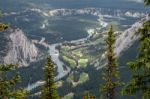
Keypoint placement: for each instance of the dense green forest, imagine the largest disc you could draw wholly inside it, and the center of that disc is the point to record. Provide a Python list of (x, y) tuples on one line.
[(139, 84)]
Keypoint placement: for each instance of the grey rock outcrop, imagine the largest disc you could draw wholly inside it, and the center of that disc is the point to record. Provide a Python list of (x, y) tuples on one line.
[(21, 50), (129, 36)]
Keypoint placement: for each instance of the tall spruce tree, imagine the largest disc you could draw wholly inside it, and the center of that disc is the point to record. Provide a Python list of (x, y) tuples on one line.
[(147, 2), (89, 96), (7, 85), (111, 74), (49, 91), (2, 25), (140, 68)]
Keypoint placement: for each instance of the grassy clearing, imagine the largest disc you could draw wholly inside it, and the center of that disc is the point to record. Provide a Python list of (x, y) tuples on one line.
[(78, 53), (71, 62), (59, 83), (83, 77), (70, 78), (83, 62), (69, 96)]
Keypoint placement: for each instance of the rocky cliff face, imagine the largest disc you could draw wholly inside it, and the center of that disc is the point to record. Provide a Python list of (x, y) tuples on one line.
[(20, 50), (125, 40), (129, 36)]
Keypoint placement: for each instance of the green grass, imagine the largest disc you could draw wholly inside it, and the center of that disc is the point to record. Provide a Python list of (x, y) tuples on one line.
[(78, 53), (83, 62), (59, 83), (83, 77), (70, 61), (69, 96), (70, 78), (65, 48)]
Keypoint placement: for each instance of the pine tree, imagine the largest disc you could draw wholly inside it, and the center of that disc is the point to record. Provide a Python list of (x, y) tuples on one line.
[(147, 2), (111, 74), (7, 90), (2, 25), (49, 91), (140, 82), (88, 96)]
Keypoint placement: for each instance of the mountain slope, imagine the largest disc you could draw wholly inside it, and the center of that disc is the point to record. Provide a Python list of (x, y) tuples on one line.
[(20, 50)]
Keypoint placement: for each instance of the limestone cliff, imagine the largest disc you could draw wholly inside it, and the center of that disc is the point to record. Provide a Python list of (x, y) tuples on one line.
[(129, 36), (20, 50)]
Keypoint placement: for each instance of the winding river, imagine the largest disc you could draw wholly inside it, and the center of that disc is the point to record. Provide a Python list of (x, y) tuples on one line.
[(124, 41), (54, 53)]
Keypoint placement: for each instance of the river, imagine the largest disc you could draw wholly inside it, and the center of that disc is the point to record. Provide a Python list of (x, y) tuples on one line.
[(54, 53), (124, 41)]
